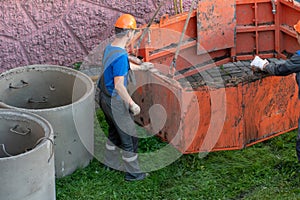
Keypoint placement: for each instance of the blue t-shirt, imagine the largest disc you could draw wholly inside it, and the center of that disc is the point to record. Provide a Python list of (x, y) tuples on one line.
[(115, 62)]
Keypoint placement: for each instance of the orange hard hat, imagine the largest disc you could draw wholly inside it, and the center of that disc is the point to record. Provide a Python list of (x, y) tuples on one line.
[(126, 21), (297, 27)]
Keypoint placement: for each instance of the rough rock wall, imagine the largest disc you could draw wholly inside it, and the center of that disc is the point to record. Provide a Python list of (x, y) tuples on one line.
[(63, 32)]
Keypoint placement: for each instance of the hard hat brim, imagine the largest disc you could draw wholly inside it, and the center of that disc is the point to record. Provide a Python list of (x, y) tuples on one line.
[(297, 27)]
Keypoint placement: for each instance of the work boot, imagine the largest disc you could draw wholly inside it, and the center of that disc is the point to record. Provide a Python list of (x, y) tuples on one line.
[(135, 176), (132, 169)]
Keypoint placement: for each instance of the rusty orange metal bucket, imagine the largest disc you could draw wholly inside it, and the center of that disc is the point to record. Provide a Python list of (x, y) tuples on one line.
[(215, 101)]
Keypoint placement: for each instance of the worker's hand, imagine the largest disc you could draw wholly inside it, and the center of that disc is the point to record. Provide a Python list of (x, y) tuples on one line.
[(134, 108), (259, 63), (135, 60), (146, 66)]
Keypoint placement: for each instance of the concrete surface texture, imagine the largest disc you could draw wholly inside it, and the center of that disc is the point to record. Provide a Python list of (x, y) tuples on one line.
[(63, 32)]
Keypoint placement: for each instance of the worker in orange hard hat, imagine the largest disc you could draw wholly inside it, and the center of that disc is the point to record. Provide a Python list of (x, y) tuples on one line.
[(117, 104), (292, 65), (126, 21)]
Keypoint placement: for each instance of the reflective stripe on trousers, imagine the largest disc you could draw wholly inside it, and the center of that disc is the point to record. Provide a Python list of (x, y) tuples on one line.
[(130, 159)]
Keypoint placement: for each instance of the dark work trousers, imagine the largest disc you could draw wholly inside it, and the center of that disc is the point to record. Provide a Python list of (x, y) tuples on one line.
[(121, 136), (298, 141)]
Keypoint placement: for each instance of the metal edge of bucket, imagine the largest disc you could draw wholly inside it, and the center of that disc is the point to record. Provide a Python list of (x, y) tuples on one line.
[(36, 118), (86, 79)]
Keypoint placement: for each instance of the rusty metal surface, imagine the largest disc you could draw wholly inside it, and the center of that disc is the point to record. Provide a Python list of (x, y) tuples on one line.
[(253, 29), (215, 25), (265, 29), (236, 109), (256, 106), (271, 106)]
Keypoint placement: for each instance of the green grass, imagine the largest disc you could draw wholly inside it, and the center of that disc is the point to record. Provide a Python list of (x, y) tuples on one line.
[(77, 65), (267, 170)]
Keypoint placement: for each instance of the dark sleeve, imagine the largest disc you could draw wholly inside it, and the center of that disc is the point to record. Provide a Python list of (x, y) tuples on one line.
[(290, 66)]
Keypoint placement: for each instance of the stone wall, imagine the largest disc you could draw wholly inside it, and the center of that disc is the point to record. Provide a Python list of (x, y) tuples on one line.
[(63, 32)]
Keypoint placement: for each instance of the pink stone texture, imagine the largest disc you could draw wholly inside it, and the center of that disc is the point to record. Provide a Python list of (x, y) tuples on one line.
[(63, 32)]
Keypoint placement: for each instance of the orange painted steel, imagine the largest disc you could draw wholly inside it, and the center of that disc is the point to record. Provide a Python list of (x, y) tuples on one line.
[(215, 25), (254, 112), (255, 31), (204, 118)]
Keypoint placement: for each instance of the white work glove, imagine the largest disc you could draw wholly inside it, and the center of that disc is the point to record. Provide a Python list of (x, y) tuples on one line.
[(259, 63), (135, 60), (146, 66), (134, 109)]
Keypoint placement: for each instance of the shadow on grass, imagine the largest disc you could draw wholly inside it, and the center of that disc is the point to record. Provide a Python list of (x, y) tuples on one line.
[(268, 170)]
